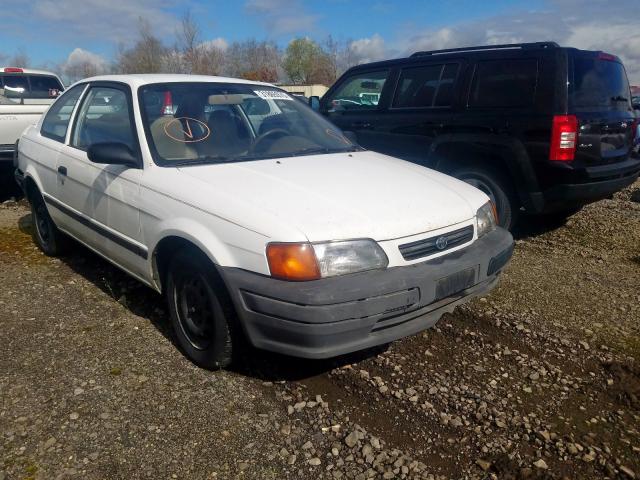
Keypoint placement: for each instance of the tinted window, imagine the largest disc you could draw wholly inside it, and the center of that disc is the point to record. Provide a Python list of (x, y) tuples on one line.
[(34, 86), (427, 86), (104, 117), (56, 121), (43, 86), (360, 92), (503, 83), (599, 83)]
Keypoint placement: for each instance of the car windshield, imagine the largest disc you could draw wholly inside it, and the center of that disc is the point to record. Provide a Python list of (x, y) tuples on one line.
[(192, 123)]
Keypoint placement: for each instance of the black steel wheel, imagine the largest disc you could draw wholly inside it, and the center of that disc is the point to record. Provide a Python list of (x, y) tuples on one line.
[(200, 312)]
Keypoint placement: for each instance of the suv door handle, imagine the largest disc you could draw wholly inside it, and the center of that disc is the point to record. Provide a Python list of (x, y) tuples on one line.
[(361, 125), (62, 171)]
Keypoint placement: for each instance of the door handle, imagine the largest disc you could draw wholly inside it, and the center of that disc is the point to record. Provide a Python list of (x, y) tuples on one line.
[(62, 171)]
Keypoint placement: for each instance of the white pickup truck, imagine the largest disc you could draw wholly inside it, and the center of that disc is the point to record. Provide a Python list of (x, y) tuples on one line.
[(25, 95)]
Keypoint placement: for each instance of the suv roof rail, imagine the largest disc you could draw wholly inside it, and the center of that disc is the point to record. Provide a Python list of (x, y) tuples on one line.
[(506, 46)]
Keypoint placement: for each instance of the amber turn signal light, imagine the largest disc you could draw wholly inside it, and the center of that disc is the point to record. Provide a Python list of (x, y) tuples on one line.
[(292, 261)]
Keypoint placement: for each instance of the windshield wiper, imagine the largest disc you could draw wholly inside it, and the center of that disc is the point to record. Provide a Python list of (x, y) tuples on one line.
[(209, 159), (314, 150)]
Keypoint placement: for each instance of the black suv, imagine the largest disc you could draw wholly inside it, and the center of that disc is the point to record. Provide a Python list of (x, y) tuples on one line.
[(538, 127)]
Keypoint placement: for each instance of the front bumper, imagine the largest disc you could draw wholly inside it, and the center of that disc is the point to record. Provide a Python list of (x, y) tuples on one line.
[(333, 316)]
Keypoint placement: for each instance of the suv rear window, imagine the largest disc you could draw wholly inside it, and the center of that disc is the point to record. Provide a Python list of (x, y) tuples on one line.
[(35, 86), (599, 83), (504, 83)]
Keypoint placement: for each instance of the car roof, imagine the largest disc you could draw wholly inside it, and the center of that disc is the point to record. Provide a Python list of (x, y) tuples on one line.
[(139, 79)]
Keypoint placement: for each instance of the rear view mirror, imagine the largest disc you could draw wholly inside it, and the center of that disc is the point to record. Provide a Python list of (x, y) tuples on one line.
[(112, 153), (369, 85), (14, 92), (314, 102), (233, 99)]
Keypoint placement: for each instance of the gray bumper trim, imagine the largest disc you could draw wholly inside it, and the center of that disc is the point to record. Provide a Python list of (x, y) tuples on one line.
[(333, 316)]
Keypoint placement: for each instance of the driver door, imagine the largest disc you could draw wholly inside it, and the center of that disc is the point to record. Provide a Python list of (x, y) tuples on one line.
[(102, 201), (357, 105)]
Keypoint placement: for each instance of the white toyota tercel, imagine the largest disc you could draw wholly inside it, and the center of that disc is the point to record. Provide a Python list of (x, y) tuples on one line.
[(255, 216)]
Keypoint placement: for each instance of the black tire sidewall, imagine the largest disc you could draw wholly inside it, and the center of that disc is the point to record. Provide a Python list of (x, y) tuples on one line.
[(505, 200), (190, 262), (39, 210)]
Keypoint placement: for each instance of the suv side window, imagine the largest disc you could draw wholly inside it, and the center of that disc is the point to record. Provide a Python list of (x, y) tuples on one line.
[(359, 92), (104, 117), (56, 121), (426, 86), (504, 83)]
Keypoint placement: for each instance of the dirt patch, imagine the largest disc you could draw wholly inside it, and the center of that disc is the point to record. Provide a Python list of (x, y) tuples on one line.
[(624, 383)]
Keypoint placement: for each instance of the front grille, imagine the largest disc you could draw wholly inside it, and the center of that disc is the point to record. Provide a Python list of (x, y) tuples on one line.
[(428, 246)]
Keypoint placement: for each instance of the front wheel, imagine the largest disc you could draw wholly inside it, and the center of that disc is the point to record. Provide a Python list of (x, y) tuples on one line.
[(200, 312), (497, 188), (45, 233)]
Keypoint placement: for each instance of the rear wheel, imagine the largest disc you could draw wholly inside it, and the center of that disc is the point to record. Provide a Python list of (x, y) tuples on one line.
[(45, 233), (199, 310), (497, 188)]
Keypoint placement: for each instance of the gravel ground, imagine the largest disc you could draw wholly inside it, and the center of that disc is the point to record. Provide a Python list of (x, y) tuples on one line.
[(539, 380)]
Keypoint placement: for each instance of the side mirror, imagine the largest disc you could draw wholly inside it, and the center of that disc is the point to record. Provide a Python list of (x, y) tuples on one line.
[(314, 102), (112, 153), (351, 136)]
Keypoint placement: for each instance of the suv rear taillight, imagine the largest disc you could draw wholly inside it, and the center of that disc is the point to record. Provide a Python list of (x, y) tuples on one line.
[(564, 138)]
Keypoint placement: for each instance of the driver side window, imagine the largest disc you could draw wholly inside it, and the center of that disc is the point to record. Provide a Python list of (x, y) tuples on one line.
[(360, 92)]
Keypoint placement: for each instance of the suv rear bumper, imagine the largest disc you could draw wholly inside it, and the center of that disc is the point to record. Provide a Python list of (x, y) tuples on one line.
[(334, 316), (602, 182)]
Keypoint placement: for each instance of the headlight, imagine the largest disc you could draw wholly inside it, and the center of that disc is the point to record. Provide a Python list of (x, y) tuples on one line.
[(305, 261), (340, 258), (486, 219)]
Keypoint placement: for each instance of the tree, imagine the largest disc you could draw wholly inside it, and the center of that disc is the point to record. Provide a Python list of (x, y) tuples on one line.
[(253, 60), (146, 56), (300, 60)]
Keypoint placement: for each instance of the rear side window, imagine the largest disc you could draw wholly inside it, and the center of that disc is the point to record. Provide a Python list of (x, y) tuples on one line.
[(359, 92), (599, 83), (33, 86), (56, 121), (503, 83), (426, 86)]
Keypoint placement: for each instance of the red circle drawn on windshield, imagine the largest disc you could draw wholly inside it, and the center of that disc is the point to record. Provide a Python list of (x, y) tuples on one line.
[(190, 129)]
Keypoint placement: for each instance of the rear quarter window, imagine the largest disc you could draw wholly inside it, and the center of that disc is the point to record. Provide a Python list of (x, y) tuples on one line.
[(504, 83)]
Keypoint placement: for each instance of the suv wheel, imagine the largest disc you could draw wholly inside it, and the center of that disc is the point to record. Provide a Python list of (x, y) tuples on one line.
[(200, 313), (45, 233), (497, 188)]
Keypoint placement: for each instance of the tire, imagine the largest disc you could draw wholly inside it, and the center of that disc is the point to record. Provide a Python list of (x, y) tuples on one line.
[(497, 187), (199, 309), (45, 233)]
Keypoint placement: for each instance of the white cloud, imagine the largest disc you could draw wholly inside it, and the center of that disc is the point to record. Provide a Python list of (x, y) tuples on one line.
[(368, 49), (112, 20), (80, 57), (282, 17), (218, 43)]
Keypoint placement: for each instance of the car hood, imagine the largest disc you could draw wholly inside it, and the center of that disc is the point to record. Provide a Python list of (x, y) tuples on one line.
[(342, 196)]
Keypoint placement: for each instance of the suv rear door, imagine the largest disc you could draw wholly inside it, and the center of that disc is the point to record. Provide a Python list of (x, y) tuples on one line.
[(600, 98)]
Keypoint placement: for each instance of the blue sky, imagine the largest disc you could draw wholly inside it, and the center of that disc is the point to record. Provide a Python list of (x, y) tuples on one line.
[(48, 31)]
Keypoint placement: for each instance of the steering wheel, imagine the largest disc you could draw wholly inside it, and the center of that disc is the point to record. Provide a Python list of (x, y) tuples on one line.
[(261, 138)]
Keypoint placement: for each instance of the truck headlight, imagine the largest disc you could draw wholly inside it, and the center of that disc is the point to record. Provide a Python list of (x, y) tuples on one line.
[(486, 219), (311, 261)]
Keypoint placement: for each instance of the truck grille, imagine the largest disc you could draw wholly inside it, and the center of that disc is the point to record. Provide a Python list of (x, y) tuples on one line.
[(440, 243)]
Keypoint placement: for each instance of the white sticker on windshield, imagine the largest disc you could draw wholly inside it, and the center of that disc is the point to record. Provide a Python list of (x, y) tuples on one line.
[(272, 94)]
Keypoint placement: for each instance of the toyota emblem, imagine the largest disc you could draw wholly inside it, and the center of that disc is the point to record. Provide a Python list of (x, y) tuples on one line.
[(441, 243)]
